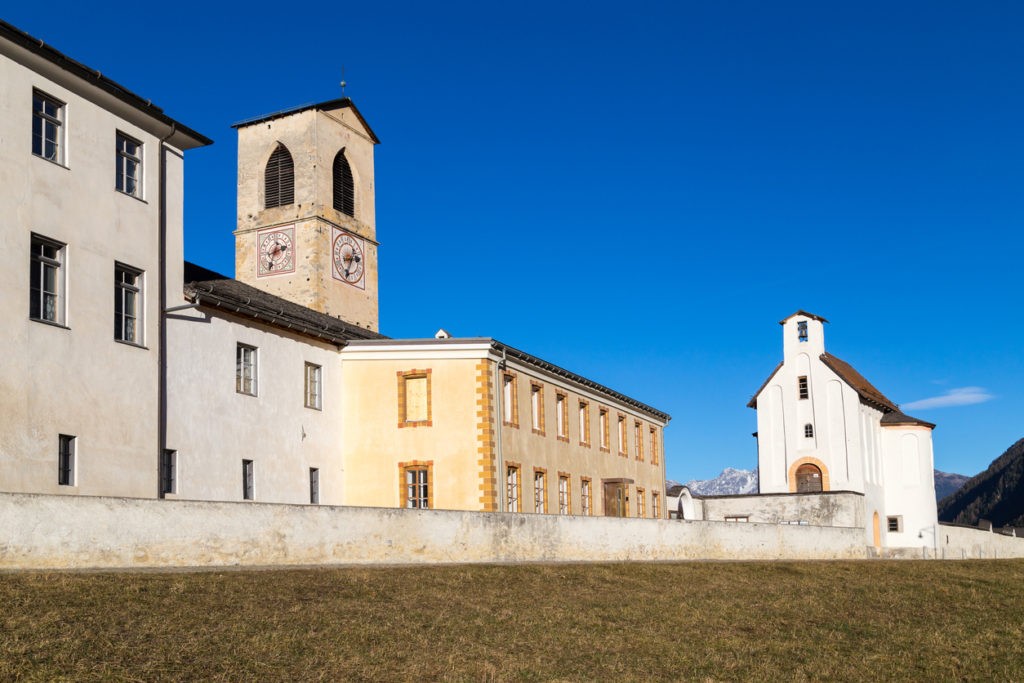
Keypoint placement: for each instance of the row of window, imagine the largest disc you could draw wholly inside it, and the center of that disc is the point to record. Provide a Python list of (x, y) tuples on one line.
[(279, 181), (247, 376), (514, 498), (48, 287), (49, 141), (510, 410)]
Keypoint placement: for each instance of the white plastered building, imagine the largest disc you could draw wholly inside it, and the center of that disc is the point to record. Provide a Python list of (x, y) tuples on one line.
[(821, 426)]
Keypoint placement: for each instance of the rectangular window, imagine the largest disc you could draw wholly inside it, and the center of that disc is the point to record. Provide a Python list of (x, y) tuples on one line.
[(510, 400), (638, 440), (46, 281), (737, 518), (314, 486), (563, 494), (895, 524), (801, 330), (603, 429), (512, 489), (416, 485), (654, 445), (245, 370), (656, 505), (66, 460), (168, 472), (561, 417), (540, 491), (314, 388), (128, 162), (47, 127), (586, 502), (127, 304), (809, 431), (247, 480), (621, 430), (801, 383), (641, 502), (414, 398), (537, 408), (584, 424)]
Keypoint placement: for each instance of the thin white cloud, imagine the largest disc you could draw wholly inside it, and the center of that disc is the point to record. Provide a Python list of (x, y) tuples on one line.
[(964, 396)]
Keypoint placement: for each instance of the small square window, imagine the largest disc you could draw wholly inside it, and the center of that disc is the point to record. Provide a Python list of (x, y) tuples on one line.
[(313, 389), (46, 281), (895, 524), (47, 127), (801, 383), (128, 160), (127, 304), (66, 460), (246, 370)]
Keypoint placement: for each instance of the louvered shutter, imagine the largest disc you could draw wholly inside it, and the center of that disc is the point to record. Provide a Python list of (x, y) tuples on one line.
[(344, 186), (279, 179)]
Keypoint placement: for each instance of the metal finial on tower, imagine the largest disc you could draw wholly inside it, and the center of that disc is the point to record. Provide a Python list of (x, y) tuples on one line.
[(343, 83)]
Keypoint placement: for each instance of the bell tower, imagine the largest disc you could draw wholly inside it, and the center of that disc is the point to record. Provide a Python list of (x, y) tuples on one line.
[(306, 229)]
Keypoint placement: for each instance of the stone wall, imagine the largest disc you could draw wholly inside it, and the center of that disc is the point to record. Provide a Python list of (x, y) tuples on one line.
[(49, 531), (839, 508)]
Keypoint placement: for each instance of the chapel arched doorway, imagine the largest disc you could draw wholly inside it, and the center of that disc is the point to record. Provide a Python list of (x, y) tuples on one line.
[(808, 479)]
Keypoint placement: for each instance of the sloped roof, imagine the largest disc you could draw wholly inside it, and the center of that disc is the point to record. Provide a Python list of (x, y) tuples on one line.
[(752, 403), (183, 138), (209, 288), (897, 418), (340, 103), (867, 391), (804, 314)]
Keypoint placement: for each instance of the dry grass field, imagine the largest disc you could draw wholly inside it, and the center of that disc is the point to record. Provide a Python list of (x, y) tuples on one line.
[(698, 621)]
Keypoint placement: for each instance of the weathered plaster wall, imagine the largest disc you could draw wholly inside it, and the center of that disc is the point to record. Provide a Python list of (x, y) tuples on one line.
[(44, 531), (956, 543), (841, 509)]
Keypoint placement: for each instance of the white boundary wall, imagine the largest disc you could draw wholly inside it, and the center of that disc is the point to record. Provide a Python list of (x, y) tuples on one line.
[(76, 532)]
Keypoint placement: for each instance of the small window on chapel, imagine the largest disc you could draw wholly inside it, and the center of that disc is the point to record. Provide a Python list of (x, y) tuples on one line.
[(894, 524), (809, 431), (801, 330), (801, 383)]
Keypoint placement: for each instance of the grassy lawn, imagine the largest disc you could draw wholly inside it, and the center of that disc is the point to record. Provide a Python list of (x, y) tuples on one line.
[(697, 621)]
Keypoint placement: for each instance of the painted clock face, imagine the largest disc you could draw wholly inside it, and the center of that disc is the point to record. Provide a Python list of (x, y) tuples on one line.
[(276, 252), (348, 258)]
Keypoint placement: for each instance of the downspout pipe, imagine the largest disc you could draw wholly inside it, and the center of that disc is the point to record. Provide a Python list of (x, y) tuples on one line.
[(162, 303)]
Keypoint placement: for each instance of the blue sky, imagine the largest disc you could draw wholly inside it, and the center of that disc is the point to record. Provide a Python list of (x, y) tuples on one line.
[(639, 192)]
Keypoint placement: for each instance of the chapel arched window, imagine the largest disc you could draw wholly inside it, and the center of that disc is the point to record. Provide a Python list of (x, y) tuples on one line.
[(279, 179), (344, 186)]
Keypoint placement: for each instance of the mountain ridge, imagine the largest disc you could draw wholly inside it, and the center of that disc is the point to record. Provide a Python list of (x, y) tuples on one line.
[(996, 495)]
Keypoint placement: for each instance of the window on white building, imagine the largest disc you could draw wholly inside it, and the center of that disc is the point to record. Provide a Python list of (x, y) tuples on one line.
[(248, 483), (47, 127), (314, 387), (66, 460), (127, 304), (809, 431), (168, 472), (802, 388), (245, 370), (46, 281), (129, 165), (314, 486), (895, 524)]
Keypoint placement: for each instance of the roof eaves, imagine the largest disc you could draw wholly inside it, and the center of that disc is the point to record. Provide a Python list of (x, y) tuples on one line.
[(341, 101), (753, 401)]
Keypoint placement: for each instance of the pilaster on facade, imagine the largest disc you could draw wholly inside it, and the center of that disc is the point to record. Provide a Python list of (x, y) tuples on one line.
[(485, 438)]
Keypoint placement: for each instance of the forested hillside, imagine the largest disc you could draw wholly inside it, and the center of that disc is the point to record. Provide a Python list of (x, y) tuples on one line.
[(997, 494)]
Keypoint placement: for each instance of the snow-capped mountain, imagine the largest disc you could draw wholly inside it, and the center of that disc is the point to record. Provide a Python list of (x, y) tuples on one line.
[(731, 482)]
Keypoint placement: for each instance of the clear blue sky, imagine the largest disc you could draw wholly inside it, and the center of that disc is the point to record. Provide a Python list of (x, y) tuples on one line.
[(640, 191)]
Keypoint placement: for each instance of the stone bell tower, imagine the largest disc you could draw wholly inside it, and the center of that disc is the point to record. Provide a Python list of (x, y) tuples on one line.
[(306, 229)]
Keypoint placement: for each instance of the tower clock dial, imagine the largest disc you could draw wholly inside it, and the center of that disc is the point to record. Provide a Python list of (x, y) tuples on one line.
[(276, 251), (348, 258)]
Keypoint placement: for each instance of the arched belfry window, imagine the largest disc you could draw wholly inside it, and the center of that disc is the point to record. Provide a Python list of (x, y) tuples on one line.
[(344, 186), (279, 179), (808, 479)]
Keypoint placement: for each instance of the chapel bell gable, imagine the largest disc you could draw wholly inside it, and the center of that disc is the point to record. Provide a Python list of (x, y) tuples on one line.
[(803, 333)]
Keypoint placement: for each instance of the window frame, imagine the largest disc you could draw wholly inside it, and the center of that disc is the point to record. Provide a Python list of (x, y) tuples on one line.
[(421, 486), (314, 485), (564, 493), (537, 408), (168, 472), (122, 159), (281, 176), (894, 520), (513, 487), (38, 265), (67, 452), (654, 445), (404, 376), (510, 399), (604, 429), (655, 504), (540, 493), (623, 438), (561, 416), (313, 387), (638, 440), (59, 124), (803, 387), (641, 502), (248, 480), (739, 519), (808, 431), (584, 416), (587, 496), (246, 358), (123, 292), (346, 203)]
